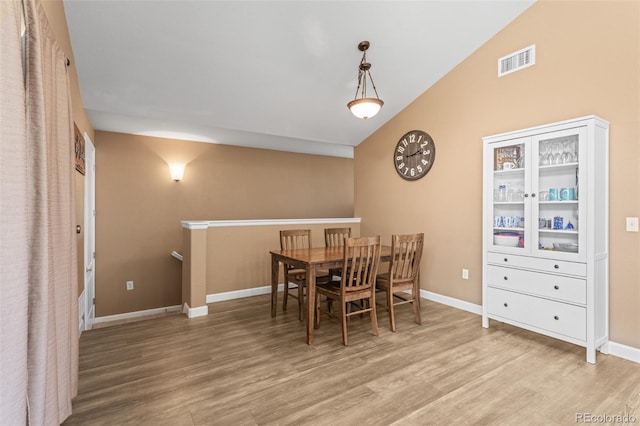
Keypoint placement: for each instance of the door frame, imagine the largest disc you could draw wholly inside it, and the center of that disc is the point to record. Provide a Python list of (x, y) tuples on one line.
[(89, 232)]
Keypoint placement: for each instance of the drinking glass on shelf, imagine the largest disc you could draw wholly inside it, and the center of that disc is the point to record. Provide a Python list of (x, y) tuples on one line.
[(567, 154), (557, 153), (545, 154)]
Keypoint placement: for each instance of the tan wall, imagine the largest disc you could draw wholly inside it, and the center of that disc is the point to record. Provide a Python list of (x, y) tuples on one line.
[(587, 62), (238, 257), (139, 207), (54, 10)]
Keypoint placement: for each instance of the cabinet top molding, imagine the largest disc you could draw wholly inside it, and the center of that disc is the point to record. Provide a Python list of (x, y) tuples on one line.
[(581, 121)]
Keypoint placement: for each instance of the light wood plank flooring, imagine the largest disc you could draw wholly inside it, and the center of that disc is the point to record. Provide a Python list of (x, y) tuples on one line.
[(238, 366)]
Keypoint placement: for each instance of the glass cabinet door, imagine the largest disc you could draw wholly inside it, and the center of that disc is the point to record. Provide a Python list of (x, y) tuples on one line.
[(510, 190), (556, 182)]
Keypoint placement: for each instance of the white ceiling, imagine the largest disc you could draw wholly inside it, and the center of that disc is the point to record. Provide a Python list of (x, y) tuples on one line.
[(266, 74)]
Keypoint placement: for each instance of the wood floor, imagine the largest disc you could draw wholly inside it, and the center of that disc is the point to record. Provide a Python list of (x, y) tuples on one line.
[(238, 366)]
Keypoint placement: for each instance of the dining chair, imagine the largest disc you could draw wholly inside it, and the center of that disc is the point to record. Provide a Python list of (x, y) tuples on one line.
[(403, 275), (292, 239), (357, 283), (334, 237)]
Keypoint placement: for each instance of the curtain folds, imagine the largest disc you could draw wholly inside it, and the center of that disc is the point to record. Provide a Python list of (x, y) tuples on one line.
[(41, 166)]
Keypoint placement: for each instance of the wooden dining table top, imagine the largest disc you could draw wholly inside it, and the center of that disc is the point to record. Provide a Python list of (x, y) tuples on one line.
[(321, 255)]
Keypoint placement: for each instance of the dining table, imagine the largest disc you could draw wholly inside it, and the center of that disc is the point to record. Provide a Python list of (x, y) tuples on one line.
[(311, 260)]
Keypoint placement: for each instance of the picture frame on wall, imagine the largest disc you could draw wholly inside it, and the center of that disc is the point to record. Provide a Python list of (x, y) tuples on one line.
[(79, 147)]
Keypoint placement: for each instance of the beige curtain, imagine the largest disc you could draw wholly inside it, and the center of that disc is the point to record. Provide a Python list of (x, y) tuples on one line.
[(13, 220), (38, 261)]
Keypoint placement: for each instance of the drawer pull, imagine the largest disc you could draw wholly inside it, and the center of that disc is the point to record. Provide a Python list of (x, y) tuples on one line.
[(506, 260), (556, 266), (505, 278), (506, 305), (555, 317), (557, 287)]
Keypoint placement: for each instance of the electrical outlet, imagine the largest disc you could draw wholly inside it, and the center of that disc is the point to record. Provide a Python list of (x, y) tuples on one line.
[(129, 285), (632, 224), (465, 274)]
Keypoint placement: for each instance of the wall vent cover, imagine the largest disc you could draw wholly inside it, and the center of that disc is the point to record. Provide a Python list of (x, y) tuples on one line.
[(516, 61)]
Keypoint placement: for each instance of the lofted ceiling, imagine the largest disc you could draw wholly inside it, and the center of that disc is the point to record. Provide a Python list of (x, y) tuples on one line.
[(266, 74)]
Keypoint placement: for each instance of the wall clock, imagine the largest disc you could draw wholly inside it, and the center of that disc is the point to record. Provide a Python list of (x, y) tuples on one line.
[(414, 155)]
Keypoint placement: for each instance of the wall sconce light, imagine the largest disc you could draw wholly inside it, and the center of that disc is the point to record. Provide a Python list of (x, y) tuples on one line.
[(177, 171), (364, 107)]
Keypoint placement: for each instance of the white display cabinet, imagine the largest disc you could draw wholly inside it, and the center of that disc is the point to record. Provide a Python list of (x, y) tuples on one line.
[(545, 231)]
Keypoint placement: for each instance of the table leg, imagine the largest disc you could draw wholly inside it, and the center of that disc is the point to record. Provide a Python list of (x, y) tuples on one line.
[(311, 300), (275, 269)]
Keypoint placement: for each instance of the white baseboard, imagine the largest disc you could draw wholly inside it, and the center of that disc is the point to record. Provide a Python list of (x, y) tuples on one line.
[(450, 301), (136, 314), (239, 294), (200, 311), (623, 351)]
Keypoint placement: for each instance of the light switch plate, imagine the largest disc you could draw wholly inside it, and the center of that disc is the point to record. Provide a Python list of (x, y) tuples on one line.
[(632, 224)]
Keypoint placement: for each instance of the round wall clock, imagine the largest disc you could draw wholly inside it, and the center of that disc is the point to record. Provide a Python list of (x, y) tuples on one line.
[(414, 155)]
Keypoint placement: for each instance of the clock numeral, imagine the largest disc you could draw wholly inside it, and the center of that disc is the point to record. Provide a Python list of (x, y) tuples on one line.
[(400, 149), (404, 142), (419, 168), (412, 138), (425, 162), (425, 143), (399, 158), (406, 170), (413, 172), (400, 166)]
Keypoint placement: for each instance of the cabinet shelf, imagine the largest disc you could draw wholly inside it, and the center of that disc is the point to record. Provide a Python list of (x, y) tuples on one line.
[(558, 167), (559, 231), (509, 171), (559, 202)]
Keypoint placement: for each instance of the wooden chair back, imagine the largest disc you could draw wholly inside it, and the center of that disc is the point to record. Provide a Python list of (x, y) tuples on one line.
[(334, 237), (361, 259), (292, 239), (406, 253)]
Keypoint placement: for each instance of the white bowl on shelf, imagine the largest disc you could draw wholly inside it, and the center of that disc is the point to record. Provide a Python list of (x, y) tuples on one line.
[(506, 240)]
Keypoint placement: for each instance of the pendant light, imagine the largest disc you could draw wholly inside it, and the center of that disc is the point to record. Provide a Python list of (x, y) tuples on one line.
[(364, 107)]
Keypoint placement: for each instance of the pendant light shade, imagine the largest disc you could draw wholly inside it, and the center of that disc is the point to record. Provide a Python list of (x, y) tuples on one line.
[(362, 106)]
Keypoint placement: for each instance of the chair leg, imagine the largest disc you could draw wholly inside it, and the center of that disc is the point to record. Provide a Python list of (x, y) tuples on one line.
[(286, 294), (316, 306), (392, 315), (344, 324), (416, 307), (374, 316), (300, 302)]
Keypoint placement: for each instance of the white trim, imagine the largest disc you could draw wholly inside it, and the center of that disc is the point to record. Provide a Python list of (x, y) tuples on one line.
[(136, 314), (198, 224), (200, 311), (450, 301), (239, 294), (622, 351), (195, 224)]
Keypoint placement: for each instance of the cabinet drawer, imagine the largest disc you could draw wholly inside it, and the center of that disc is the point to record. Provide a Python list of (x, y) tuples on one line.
[(547, 285), (556, 317), (543, 265)]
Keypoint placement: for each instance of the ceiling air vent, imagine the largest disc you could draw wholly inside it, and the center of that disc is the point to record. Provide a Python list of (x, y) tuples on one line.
[(517, 60)]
